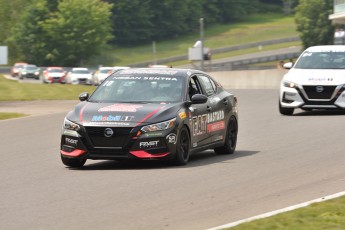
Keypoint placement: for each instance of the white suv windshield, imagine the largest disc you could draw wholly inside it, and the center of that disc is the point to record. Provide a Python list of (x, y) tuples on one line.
[(321, 60)]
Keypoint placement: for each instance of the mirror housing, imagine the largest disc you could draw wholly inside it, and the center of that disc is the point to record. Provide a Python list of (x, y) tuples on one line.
[(199, 99), (288, 65), (84, 96)]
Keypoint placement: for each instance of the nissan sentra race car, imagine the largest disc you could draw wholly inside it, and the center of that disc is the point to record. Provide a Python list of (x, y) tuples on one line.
[(316, 81), (148, 113)]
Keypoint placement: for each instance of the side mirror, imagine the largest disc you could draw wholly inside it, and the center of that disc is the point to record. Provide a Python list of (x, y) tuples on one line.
[(288, 65), (199, 99), (84, 96)]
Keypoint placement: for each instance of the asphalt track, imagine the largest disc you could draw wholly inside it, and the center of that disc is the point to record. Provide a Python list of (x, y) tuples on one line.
[(280, 161)]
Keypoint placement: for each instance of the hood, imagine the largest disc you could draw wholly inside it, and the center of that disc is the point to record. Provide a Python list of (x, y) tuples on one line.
[(56, 74), (83, 75), (316, 76), (122, 114)]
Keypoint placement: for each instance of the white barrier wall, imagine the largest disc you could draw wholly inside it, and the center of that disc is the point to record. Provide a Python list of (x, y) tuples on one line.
[(250, 79)]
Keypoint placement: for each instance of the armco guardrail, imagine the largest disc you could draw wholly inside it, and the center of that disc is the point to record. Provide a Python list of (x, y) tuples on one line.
[(235, 65)]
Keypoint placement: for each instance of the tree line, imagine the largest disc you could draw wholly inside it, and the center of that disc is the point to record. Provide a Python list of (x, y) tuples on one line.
[(69, 32)]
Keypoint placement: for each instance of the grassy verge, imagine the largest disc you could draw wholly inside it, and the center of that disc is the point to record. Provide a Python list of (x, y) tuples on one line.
[(252, 29), (14, 91), (4, 116), (244, 51), (318, 216)]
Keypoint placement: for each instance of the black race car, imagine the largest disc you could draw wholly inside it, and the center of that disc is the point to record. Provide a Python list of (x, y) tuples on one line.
[(151, 114)]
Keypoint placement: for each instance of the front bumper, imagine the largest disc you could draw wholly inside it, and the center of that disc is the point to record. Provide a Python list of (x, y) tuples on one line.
[(307, 97), (90, 143)]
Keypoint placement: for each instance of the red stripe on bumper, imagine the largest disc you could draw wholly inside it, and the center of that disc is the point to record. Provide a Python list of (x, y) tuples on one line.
[(143, 154), (74, 153)]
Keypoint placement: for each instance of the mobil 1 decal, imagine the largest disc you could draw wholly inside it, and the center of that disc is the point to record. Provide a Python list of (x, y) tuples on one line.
[(207, 123)]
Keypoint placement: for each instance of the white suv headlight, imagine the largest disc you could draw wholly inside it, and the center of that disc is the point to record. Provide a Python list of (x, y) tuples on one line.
[(289, 84), (159, 126)]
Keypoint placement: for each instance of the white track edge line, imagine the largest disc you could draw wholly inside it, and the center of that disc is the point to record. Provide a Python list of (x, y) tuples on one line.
[(268, 214)]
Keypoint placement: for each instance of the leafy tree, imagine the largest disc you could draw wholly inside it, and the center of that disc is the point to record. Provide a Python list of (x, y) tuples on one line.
[(80, 29), (30, 35), (233, 10), (312, 22), (10, 14), (131, 21), (175, 17)]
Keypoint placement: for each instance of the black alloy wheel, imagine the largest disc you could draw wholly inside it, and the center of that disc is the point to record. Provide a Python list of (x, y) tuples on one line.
[(182, 148), (230, 138)]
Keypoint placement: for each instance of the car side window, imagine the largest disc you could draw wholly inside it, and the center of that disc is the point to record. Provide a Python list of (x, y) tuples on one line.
[(194, 87), (208, 85)]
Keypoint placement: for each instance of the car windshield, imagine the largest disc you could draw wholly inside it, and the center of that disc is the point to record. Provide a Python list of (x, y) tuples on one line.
[(80, 71), (30, 67), (55, 70), (19, 65), (140, 89), (321, 60), (105, 70)]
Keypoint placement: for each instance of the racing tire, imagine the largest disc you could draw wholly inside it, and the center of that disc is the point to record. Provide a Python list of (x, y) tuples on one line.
[(230, 138), (285, 111), (73, 162), (182, 148)]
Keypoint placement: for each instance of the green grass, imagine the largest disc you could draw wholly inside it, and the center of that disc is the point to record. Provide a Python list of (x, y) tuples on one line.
[(254, 28), (4, 116), (11, 90), (328, 215)]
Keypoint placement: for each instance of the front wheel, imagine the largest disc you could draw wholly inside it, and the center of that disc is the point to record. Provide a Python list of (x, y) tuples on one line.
[(230, 138), (73, 162), (182, 148)]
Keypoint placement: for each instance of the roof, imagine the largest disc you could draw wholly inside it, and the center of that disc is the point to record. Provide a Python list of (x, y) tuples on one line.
[(159, 71), (326, 48)]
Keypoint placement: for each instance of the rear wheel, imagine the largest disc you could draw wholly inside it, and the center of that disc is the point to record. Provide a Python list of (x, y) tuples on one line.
[(285, 111), (230, 138), (73, 162), (182, 148)]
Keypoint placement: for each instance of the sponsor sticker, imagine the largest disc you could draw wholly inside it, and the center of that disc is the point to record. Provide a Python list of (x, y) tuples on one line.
[(148, 144), (71, 141), (215, 116), (198, 124), (182, 115), (215, 126), (99, 118), (172, 138), (120, 108)]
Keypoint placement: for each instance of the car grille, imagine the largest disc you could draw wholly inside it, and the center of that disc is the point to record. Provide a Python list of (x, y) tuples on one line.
[(118, 139), (82, 80), (313, 92)]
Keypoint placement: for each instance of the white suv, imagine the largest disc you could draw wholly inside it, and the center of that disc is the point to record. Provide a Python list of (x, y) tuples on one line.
[(315, 81)]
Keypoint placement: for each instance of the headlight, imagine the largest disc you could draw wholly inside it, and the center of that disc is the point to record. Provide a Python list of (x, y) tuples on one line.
[(36, 73), (70, 125), (289, 84), (159, 126), (24, 72)]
